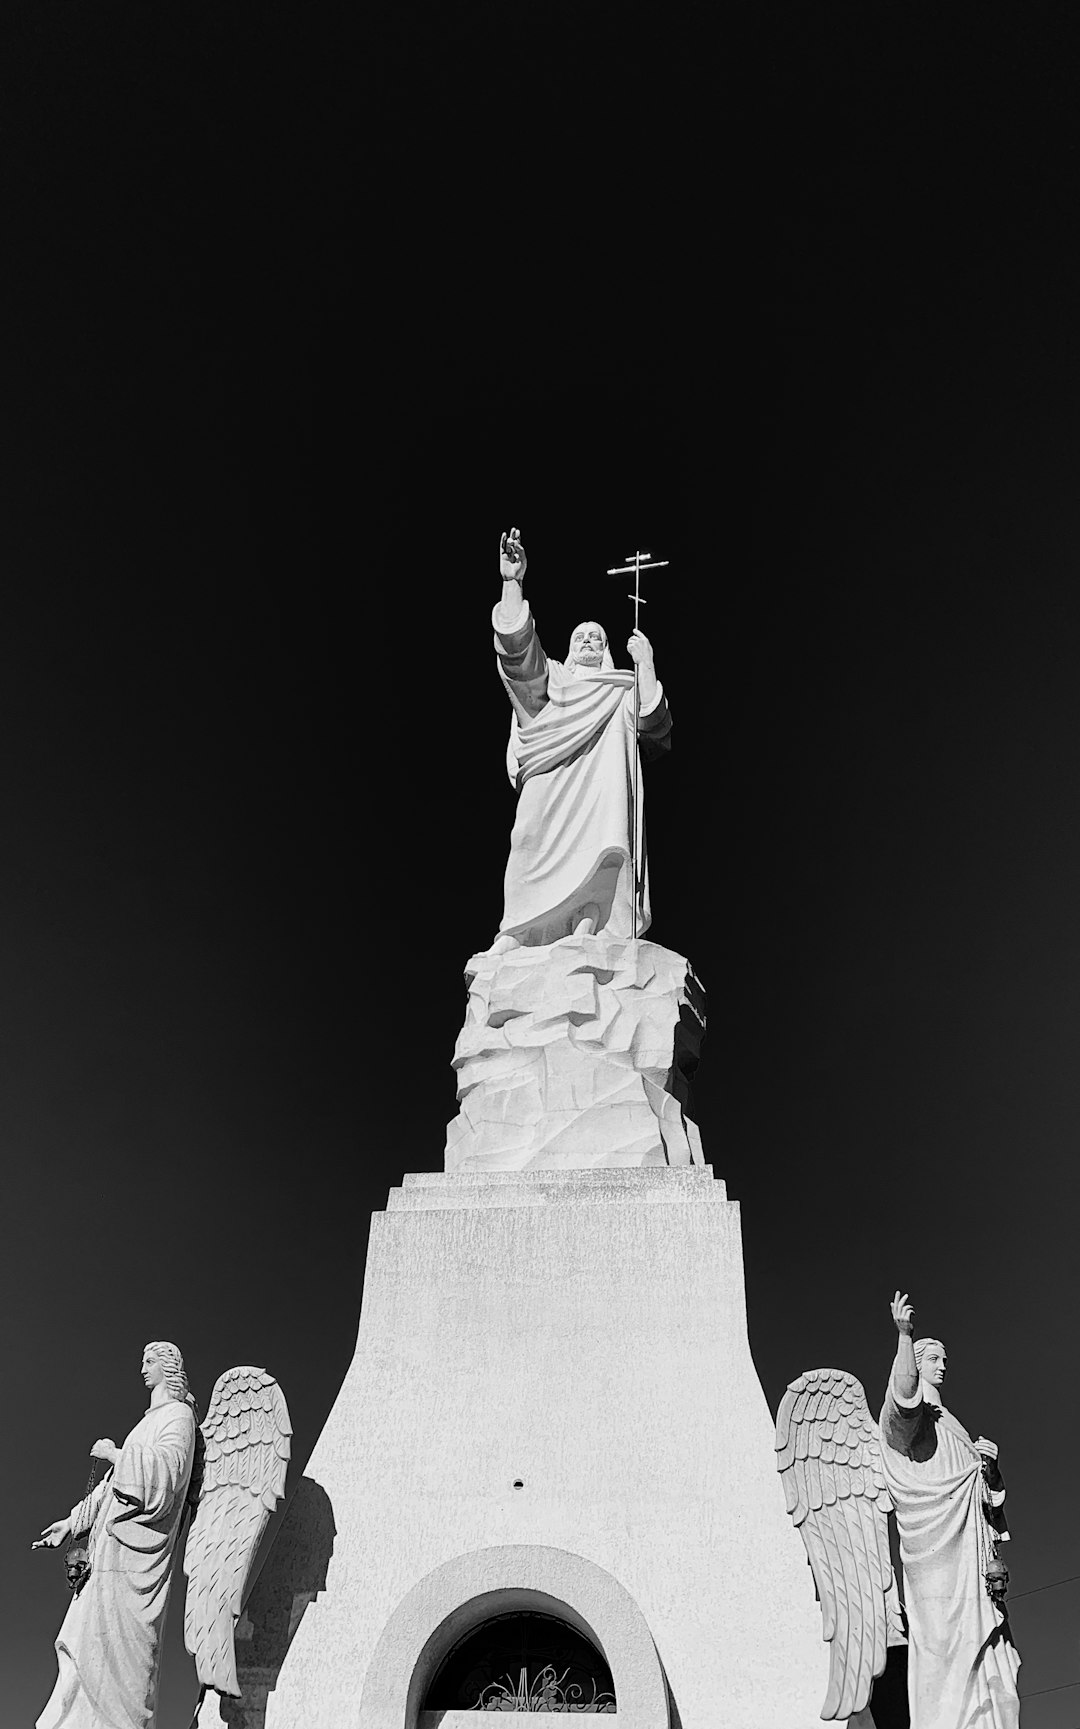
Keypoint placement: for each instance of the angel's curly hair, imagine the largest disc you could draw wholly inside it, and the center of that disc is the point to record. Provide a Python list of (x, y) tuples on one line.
[(173, 1363), (920, 1348)]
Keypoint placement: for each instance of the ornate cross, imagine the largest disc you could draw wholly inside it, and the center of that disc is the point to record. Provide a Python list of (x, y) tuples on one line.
[(636, 562)]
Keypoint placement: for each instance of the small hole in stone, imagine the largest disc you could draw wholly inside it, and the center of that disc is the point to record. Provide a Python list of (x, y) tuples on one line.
[(518, 1484)]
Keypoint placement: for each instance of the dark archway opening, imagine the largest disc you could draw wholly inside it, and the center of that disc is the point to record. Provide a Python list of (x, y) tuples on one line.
[(523, 1661)]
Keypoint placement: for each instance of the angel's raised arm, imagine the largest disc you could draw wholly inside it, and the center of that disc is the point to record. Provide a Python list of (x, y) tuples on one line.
[(905, 1370)]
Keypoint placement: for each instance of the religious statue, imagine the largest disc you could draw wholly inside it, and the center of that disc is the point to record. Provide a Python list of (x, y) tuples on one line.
[(572, 759), (125, 1533), (108, 1650), (843, 1475)]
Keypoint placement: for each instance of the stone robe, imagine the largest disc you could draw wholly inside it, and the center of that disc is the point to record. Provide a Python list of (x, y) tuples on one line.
[(571, 758), (109, 1647), (962, 1667)]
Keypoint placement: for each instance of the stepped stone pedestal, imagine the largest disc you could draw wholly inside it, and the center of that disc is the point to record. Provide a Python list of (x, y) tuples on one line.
[(552, 1405)]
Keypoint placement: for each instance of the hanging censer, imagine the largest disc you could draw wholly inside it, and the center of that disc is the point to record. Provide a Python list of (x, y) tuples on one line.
[(77, 1554), (997, 1579)]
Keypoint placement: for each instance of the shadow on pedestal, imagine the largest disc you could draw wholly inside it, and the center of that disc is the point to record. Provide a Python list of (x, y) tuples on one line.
[(290, 1578)]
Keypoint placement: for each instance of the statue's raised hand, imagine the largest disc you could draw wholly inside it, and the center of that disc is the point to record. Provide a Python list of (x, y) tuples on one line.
[(512, 560), (903, 1313), (53, 1535), (107, 1450)]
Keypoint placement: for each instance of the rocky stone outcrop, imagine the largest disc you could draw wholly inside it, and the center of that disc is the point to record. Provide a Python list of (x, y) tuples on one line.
[(577, 1055)]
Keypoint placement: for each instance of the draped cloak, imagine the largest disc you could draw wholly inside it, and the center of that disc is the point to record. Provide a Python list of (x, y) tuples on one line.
[(109, 1647), (571, 759), (962, 1666)]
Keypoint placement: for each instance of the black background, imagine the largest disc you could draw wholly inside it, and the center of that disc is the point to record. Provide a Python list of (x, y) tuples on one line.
[(301, 307)]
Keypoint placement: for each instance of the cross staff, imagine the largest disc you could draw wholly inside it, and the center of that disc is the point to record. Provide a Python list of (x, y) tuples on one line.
[(636, 562)]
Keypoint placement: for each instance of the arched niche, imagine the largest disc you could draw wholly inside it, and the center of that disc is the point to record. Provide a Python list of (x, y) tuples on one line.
[(464, 1593), (524, 1657)]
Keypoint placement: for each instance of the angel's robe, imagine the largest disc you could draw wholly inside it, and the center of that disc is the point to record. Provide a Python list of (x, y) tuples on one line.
[(109, 1648), (962, 1664), (571, 759)]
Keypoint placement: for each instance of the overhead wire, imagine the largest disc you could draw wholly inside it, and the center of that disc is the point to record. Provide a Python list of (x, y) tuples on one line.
[(1039, 1691), (1015, 1596)]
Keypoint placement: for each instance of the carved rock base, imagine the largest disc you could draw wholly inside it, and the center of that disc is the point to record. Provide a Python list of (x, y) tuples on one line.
[(577, 1056)]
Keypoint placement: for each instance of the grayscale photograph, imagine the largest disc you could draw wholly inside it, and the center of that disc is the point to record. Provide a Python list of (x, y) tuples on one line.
[(539, 864)]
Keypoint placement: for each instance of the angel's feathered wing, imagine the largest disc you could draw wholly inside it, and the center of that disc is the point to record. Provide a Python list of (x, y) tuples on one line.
[(828, 1453), (246, 1453)]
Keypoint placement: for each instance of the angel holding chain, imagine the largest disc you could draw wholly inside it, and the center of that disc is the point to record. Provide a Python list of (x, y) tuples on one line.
[(843, 1475), (124, 1534)]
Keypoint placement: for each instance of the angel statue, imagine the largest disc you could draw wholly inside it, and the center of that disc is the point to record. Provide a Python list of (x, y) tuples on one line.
[(108, 1650), (843, 1475), (125, 1531)]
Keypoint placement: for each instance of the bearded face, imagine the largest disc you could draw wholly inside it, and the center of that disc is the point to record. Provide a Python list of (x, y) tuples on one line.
[(588, 645)]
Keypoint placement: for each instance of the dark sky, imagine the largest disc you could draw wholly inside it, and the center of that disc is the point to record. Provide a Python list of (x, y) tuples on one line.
[(301, 308)]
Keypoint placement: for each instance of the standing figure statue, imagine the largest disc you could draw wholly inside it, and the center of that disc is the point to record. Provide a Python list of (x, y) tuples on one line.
[(843, 1476), (948, 1493), (231, 1473), (108, 1650), (571, 760)]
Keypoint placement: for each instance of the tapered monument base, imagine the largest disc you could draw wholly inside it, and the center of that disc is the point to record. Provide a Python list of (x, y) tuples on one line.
[(552, 1411)]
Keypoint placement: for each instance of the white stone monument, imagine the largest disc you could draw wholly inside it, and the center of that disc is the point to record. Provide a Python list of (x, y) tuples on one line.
[(549, 1477), (229, 1473), (843, 1476)]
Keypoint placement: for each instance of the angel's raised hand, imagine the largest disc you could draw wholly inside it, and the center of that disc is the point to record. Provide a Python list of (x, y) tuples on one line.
[(902, 1313), (512, 560)]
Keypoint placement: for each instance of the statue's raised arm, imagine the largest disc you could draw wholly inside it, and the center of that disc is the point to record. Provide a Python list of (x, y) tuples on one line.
[(523, 664), (571, 759), (512, 566)]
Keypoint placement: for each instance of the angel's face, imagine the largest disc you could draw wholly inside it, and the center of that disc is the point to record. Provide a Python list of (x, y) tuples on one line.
[(932, 1368), (153, 1370)]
